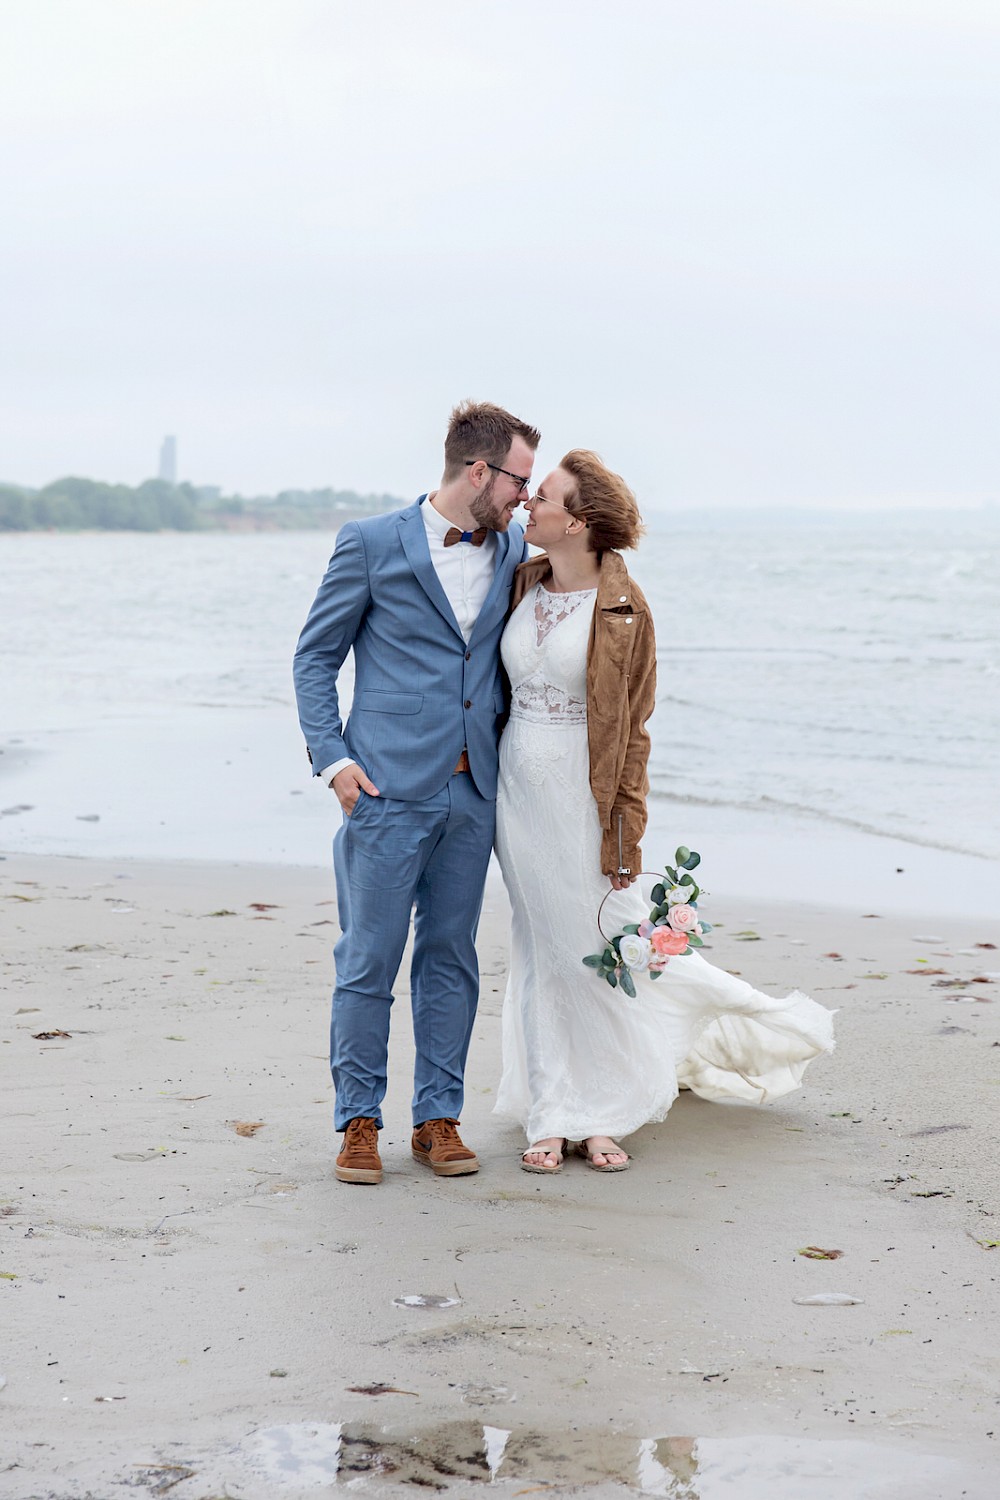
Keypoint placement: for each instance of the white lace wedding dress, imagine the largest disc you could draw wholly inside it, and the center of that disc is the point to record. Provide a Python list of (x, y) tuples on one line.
[(581, 1058)]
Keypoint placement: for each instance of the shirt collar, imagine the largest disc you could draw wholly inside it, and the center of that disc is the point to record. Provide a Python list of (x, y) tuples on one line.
[(435, 522), (439, 526)]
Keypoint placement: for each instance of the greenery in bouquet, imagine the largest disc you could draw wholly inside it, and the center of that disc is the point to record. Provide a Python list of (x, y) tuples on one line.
[(672, 929)]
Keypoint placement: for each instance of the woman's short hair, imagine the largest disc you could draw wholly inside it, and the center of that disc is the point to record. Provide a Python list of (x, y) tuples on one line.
[(603, 500)]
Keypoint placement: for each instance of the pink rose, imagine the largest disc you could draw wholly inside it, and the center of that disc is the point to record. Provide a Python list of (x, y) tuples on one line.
[(666, 942), (683, 918)]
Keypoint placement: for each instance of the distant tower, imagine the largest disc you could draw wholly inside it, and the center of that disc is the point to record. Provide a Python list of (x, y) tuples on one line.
[(168, 460)]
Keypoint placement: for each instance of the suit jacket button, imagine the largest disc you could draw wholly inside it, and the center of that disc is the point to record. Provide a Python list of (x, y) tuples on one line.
[(468, 702), (468, 655)]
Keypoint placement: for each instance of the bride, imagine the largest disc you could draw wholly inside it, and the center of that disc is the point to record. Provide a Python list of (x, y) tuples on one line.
[(582, 1061)]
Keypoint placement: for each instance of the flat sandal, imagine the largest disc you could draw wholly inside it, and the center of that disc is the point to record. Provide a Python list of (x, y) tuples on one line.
[(529, 1166), (607, 1166)]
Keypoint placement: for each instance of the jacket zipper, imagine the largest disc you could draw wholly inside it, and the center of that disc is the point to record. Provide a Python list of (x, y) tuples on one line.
[(622, 869)]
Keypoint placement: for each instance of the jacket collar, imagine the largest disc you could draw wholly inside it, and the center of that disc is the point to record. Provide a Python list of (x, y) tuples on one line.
[(614, 587)]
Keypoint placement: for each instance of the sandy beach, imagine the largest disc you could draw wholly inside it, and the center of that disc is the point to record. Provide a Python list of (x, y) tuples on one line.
[(192, 1303)]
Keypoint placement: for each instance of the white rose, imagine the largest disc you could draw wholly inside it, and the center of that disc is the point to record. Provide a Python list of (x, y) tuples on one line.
[(678, 894), (634, 952)]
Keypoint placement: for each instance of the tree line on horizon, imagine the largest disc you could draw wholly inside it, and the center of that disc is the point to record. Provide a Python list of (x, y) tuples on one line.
[(74, 504)]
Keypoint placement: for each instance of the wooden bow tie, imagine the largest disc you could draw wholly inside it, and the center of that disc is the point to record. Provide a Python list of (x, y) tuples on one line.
[(477, 537)]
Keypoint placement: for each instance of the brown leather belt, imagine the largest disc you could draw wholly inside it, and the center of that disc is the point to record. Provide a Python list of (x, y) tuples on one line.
[(463, 763)]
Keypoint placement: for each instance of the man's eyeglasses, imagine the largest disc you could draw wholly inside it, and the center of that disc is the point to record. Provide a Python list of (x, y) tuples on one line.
[(522, 484)]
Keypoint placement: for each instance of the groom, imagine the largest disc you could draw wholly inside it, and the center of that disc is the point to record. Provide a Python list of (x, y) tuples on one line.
[(420, 595)]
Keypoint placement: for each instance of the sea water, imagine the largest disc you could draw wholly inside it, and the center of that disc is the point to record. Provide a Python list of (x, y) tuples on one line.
[(827, 722)]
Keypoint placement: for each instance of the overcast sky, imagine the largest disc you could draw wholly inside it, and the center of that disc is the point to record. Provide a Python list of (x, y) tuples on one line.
[(748, 251)]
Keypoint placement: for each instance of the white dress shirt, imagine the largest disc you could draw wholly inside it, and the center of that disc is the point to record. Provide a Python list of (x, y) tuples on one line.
[(464, 572)]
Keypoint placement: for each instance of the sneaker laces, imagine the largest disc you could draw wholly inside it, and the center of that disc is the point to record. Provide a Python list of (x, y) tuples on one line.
[(363, 1132)]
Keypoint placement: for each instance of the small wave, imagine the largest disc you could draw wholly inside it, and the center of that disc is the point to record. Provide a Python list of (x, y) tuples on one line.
[(771, 720), (693, 650), (240, 704), (774, 805), (909, 732)]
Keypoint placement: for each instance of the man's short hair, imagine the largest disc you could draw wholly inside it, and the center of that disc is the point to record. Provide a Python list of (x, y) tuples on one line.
[(478, 429)]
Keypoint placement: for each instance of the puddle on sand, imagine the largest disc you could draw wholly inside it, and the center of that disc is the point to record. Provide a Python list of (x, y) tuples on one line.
[(424, 1299), (307, 1454)]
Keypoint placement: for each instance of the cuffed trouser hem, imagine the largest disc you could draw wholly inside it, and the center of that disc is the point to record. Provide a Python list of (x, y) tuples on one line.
[(341, 1121)]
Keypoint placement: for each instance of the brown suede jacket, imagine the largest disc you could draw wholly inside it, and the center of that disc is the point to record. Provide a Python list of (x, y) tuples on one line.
[(621, 693)]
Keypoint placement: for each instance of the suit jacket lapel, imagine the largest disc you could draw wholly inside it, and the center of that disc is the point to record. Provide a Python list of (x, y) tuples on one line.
[(495, 603), (413, 536)]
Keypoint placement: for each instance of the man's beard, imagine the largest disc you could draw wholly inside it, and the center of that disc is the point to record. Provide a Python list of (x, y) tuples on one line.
[(485, 510)]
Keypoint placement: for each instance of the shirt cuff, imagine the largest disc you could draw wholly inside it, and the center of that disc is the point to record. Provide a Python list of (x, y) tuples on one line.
[(327, 775)]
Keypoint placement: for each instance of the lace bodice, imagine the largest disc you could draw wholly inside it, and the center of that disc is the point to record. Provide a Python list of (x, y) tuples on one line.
[(545, 656)]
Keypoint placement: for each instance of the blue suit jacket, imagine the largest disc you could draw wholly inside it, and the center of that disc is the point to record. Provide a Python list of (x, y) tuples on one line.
[(421, 693)]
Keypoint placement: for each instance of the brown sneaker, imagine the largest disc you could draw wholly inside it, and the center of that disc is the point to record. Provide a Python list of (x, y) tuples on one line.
[(359, 1160), (438, 1143)]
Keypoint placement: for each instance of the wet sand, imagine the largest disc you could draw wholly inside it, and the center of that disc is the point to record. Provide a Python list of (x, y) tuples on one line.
[(194, 1309)]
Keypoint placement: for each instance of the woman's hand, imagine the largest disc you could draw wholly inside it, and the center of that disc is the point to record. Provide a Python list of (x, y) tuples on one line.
[(621, 882)]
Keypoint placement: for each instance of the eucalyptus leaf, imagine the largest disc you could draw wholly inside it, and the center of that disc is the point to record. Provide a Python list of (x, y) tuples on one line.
[(610, 958), (612, 979), (671, 875), (695, 940), (683, 854), (654, 973), (594, 961), (631, 927), (657, 894), (692, 861), (627, 983)]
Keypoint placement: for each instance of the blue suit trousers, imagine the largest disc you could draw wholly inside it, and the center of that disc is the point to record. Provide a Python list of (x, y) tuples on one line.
[(392, 857)]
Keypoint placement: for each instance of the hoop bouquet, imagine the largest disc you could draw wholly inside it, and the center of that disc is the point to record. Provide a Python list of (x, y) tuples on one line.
[(672, 929)]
